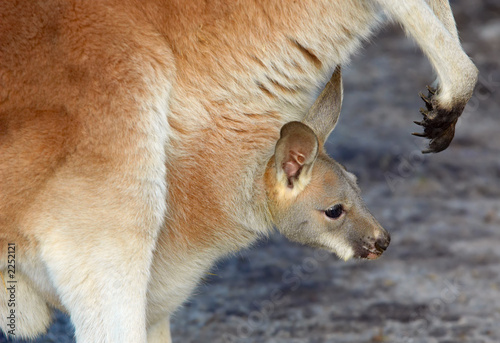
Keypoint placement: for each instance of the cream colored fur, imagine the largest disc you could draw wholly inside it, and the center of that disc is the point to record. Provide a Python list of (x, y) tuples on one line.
[(436, 34), (137, 140)]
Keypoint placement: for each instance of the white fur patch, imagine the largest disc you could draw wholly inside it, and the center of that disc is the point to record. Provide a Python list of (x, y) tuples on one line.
[(341, 248)]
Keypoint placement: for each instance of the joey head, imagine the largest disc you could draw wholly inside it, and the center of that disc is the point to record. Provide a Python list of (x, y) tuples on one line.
[(313, 199)]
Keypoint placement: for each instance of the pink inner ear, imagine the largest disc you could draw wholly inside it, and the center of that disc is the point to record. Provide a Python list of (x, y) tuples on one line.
[(291, 169)]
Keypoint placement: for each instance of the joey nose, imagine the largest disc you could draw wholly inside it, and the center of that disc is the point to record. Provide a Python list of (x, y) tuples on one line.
[(382, 243)]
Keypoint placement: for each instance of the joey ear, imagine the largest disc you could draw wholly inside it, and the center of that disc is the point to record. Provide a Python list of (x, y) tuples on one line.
[(323, 115), (295, 153)]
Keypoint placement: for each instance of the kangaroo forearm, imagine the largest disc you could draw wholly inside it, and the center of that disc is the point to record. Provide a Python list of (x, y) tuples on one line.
[(457, 73), (442, 10)]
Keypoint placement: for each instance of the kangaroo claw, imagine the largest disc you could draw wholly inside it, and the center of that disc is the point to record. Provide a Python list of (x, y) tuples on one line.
[(427, 101), (438, 123), (424, 112)]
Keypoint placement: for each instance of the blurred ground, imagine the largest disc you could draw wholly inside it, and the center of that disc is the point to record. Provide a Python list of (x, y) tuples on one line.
[(439, 281)]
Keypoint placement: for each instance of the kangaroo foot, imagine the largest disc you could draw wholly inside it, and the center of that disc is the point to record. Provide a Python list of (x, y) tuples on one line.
[(439, 124)]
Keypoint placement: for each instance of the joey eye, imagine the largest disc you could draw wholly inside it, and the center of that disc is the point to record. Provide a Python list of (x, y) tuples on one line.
[(335, 211)]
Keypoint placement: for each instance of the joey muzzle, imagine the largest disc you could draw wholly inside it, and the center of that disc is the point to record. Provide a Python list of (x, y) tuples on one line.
[(372, 248)]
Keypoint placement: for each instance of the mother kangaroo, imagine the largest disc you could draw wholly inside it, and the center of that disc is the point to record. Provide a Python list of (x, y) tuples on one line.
[(128, 126)]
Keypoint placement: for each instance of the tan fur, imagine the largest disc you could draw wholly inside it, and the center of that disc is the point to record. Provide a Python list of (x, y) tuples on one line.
[(134, 139)]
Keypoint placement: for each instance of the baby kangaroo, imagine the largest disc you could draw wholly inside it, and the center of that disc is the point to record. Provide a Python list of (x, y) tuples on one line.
[(306, 195), (313, 199)]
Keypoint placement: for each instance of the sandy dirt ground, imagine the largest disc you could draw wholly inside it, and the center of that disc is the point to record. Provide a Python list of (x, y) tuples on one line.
[(439, 281)]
